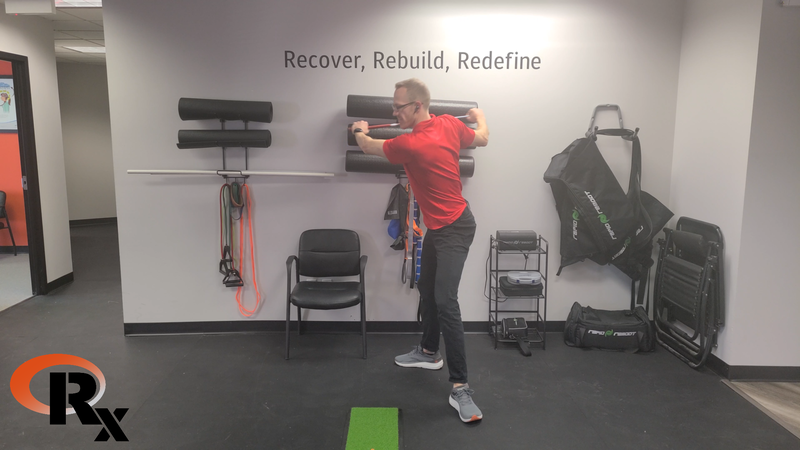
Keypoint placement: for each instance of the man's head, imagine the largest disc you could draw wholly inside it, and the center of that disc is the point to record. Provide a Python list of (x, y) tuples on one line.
[(411, 102)]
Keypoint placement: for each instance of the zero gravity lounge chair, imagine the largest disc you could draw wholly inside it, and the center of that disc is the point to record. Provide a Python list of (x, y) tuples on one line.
[(689, 290)]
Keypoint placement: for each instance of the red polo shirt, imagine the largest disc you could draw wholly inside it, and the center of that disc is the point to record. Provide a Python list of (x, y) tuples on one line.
[(430, 155)]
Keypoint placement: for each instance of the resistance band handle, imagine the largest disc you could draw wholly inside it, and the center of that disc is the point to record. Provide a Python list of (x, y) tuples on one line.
[(233, 279), (226, 263)]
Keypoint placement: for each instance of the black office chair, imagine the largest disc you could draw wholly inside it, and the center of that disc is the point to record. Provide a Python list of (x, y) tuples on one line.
[(326, 253), (7, 225)]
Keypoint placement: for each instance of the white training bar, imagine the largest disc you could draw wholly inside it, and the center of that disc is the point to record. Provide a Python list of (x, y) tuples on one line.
[(229, 173)]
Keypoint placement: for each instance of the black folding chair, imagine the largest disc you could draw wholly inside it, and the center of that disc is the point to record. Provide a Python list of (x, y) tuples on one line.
[(689, 290)]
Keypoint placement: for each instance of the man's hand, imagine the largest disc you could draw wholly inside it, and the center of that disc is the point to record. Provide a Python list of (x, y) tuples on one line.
[(361, 124), (475, 115), (365, 143)]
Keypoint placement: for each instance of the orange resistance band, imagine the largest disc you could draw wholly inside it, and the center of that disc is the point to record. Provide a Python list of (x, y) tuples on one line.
[(239, 297)]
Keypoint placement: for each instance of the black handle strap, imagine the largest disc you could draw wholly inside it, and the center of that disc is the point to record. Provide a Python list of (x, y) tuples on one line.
[(523, 346), (638, 295)]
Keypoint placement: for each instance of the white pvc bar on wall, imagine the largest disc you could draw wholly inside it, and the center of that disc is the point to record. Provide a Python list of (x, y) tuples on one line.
[(230, 173)]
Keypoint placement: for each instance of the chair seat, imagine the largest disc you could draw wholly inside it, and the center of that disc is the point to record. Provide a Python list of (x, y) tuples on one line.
[(326, 294)]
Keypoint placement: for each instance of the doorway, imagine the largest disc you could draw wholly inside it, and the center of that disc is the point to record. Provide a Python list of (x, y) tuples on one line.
[(22, 263)]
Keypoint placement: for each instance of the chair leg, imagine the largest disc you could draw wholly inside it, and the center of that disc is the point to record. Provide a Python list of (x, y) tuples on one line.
[(11, 233), (299, 322), (363, 330), (288, 313)]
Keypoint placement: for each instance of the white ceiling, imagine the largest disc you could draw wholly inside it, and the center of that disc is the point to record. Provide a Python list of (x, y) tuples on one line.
[(78, 27), (75, 27)]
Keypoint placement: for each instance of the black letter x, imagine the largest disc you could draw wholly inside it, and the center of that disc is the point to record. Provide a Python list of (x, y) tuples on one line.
[(111, 425)]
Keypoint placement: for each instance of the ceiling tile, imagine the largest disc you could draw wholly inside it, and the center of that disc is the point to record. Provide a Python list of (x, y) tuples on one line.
[(74, 43), (61, 15), (61, 35), (79, 58), (79, 34), (75, 25), (84, 13)]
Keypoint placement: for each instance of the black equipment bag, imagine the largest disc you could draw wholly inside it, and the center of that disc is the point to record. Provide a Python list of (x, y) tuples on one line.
[(526, 290), (516, 328), (599, 221), (618, 330)]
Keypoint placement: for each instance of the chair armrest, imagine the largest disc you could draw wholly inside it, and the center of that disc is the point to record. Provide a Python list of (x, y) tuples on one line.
[(289, 263), (289, 275), (363, 268)]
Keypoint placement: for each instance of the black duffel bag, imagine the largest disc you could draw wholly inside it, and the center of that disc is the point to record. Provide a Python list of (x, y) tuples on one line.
[(617, 330)]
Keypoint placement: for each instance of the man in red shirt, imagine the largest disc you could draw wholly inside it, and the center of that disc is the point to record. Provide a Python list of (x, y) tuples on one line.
[(430, 157)]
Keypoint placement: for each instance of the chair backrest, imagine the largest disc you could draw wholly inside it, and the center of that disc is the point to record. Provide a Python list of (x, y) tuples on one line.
[(2, 204), (329, 252)]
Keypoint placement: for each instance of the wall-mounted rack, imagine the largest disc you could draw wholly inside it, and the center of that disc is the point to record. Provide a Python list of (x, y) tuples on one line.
[(224, 111)]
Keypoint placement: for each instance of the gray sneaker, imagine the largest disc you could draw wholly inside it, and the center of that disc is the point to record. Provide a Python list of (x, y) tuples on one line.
[(461, 400), (418, 358)]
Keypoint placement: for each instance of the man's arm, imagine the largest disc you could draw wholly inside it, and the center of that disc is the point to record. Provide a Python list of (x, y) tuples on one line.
[(365, 143), (475, 116)]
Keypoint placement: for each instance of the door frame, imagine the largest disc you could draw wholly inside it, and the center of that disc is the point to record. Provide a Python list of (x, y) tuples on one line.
[(27, 150)]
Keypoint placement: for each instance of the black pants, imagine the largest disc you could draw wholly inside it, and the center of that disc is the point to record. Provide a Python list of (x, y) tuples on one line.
[(444, 252)]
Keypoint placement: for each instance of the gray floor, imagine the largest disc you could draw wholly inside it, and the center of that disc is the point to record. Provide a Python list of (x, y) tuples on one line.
[(236, 391), (15, 279)]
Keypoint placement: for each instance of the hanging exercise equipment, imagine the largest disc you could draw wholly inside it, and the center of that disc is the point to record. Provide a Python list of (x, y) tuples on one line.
[(373, 107), (403, 211), (233, 195), (225, 110), (603, 223), (599, 220), (358, 161), (235, 198)]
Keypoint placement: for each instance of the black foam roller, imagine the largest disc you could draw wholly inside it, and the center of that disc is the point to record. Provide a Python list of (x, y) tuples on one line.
[(358, 161), (379, 133), (224, 138), (368, 106), (202, 109)]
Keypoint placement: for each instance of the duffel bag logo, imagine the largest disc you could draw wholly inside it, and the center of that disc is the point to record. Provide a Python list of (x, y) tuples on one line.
[(609, 333)]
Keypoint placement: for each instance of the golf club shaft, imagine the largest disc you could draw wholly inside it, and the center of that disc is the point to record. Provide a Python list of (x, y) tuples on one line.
[(386, 125)]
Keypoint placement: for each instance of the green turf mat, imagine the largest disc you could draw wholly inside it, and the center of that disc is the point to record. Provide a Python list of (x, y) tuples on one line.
[(373, 429)]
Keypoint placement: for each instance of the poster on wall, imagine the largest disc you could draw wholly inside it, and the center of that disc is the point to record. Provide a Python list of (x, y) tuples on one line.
[(8, 110)]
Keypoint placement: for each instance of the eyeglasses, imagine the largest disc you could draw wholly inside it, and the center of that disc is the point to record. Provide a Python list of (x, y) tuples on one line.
[(398, 108)]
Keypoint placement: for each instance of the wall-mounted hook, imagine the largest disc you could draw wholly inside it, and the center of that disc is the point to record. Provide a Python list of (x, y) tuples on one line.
[(591, 133)]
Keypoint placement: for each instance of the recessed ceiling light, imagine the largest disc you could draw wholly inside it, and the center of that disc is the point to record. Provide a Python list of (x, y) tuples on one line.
[(79, 3), (87, 49)]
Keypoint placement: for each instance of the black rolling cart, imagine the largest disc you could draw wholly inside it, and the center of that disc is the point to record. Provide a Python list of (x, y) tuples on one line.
[(507, 254)]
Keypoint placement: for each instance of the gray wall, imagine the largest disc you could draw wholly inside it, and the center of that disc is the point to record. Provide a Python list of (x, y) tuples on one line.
[(699, 78), (623, 52), (769, 267), (736, 163), (33, 37), (83, 94)]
